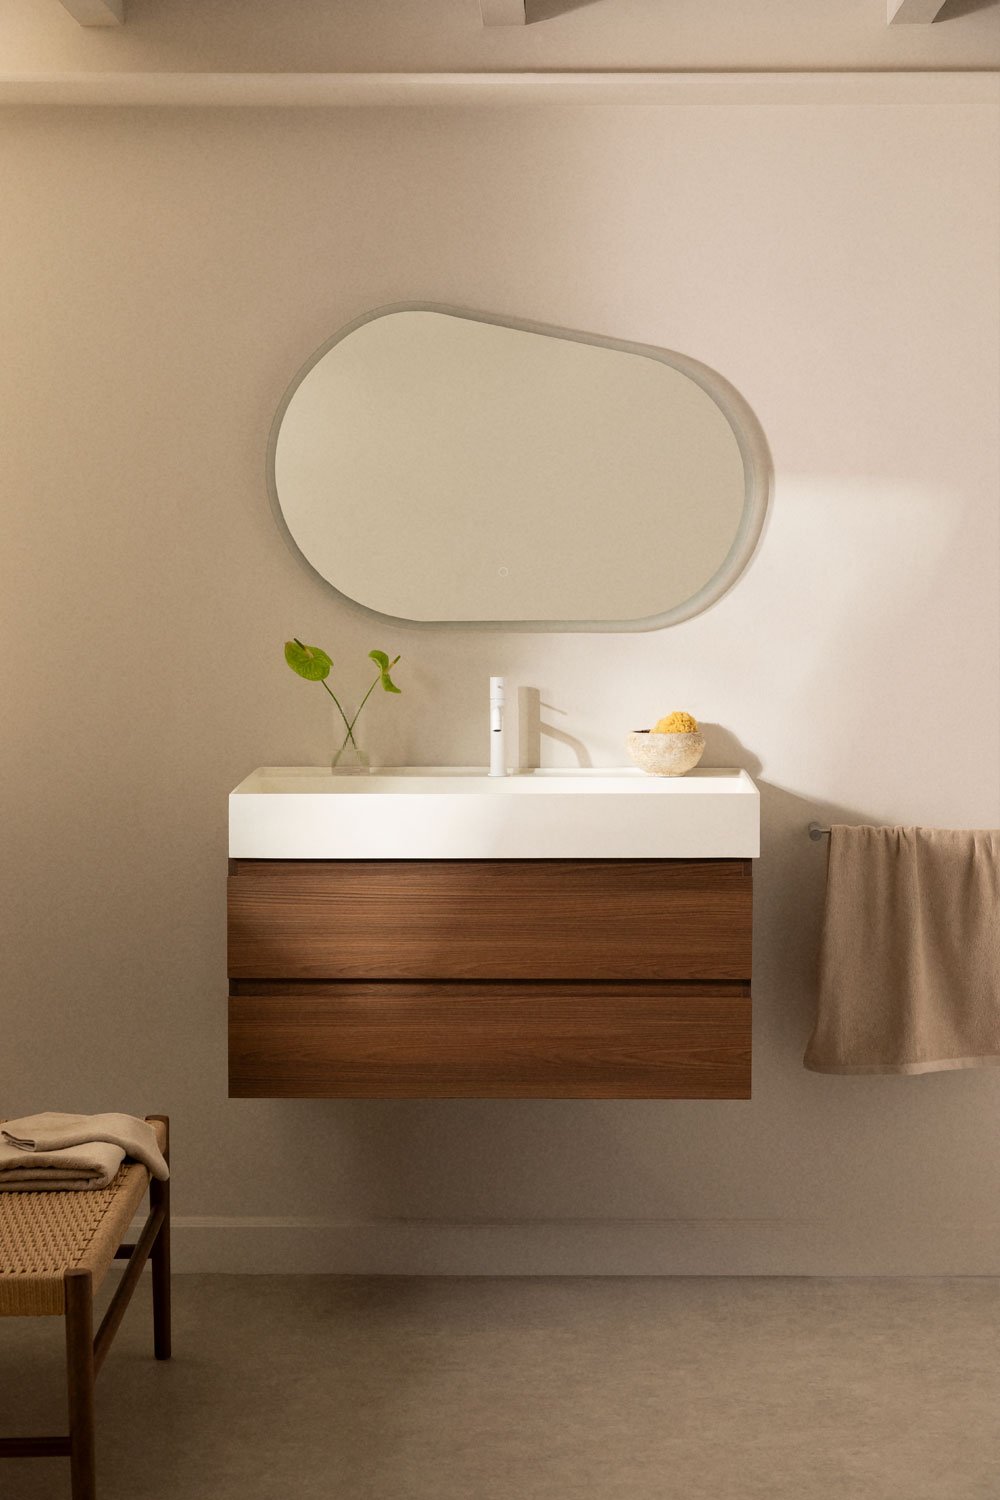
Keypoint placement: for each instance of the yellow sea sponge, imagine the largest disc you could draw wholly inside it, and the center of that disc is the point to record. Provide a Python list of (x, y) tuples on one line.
[(675, 723)]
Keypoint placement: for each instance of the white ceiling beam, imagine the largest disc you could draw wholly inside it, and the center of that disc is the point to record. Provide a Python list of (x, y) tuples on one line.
[(503, 12), (96, 12), (915, 12)]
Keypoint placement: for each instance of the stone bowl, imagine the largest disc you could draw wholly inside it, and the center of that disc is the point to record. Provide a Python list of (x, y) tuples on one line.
[(665, 754)]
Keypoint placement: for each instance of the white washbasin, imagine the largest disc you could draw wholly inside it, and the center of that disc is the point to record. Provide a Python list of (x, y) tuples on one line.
[(451, 812)]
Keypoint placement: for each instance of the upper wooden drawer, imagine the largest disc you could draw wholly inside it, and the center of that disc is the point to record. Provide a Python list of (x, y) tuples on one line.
[(484, 919)]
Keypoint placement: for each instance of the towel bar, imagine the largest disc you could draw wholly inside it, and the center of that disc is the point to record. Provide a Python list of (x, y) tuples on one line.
[(817, 831)]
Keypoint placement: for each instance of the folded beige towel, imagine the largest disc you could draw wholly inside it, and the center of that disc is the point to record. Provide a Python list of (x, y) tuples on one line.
[(910, 958), (89, 1166), (53, 1151)]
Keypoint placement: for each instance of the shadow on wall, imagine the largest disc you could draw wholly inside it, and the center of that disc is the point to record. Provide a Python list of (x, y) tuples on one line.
[(531, 727), (952, 9), (550, 10), (789, 890)]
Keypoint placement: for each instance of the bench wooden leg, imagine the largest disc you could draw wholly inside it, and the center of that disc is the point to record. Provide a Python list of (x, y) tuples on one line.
[(80, 1382), (159, 1256)]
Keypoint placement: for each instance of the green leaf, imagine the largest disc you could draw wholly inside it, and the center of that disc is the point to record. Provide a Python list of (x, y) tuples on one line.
[(383, 663), (309, 661)]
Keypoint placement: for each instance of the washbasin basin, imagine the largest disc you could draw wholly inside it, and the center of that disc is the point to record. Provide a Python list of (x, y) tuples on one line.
[(449, 812)]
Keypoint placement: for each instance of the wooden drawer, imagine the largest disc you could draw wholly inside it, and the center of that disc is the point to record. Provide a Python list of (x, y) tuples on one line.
[(555, 1041), (490, 919)]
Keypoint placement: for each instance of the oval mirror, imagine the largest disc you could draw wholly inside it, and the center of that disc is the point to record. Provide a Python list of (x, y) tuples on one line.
[(446, 467)]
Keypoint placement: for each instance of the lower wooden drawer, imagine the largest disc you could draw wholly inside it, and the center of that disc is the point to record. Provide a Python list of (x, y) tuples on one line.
[(489, 1040)]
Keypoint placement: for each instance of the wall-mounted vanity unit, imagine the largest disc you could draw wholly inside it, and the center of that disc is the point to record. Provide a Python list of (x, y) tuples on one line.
[(437, 934)]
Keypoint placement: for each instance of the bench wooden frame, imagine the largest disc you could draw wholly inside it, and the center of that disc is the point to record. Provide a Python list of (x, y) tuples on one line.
[(86, 1352)]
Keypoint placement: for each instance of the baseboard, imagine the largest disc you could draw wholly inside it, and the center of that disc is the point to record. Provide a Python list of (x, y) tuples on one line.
[(617, 1247)]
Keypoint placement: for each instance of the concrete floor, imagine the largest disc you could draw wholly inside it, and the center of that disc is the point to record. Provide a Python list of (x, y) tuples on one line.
[(297, 1387)]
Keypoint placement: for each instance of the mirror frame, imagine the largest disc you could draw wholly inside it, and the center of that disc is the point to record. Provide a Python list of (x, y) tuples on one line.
[(746, 429)]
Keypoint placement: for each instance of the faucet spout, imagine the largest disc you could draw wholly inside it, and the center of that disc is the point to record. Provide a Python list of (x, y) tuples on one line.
[(497, 702)]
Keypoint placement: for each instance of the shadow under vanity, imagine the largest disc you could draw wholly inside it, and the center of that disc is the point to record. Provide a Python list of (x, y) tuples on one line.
[(578, 934)]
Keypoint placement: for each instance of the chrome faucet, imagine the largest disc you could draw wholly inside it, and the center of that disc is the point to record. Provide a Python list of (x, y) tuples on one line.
[(497, 700)]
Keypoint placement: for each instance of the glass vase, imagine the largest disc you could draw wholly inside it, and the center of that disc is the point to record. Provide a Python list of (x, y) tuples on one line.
[(350, 759)]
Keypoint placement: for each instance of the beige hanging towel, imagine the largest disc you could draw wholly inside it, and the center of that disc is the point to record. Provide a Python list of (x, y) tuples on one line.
[(910, 959)]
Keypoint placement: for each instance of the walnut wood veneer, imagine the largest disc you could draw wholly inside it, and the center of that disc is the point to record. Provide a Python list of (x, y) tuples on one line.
[(490, 979)]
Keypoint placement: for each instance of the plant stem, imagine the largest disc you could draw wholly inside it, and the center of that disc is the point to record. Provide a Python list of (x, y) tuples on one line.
[(364, 700), (349, 724)]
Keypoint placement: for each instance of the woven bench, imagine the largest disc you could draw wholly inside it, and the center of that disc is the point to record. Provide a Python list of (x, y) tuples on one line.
[(55, 1250)]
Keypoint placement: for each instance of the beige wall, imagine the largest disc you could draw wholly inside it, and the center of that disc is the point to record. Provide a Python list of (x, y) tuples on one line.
[(164, 274)]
